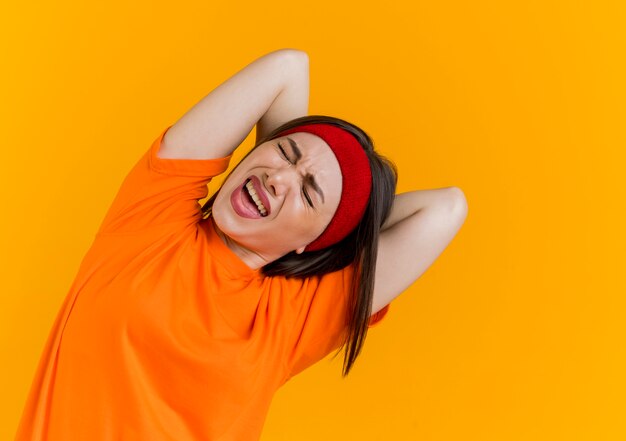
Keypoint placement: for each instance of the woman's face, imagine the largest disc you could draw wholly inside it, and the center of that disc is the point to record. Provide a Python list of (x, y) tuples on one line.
[(285, 183)]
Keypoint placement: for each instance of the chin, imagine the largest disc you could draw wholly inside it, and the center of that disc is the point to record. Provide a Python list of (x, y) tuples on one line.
[(227, 222)]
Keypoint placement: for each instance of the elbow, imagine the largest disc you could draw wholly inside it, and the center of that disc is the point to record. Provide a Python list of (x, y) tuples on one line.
[(459, 202), (294, 54)]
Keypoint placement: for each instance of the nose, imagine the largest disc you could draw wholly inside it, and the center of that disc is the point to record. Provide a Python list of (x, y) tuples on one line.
[(280, 180)]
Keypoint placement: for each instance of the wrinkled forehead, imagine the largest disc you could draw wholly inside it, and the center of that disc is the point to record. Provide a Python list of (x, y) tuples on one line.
[(309, 142), (314, 150), (325, 166)]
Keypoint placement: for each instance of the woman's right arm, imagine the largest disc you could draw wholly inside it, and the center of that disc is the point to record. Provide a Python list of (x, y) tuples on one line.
[(221, 121)]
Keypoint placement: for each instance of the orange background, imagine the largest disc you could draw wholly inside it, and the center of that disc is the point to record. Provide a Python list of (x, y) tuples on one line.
[(515, 333)]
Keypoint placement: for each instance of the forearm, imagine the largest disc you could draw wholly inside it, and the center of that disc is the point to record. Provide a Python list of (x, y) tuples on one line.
[(409, 203), (293, 100), (219, 122)]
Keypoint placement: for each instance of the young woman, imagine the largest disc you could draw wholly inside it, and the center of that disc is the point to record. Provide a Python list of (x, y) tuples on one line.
[(184, 320)]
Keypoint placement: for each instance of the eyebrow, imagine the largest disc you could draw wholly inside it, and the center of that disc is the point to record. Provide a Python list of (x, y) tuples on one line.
[(309, 177)]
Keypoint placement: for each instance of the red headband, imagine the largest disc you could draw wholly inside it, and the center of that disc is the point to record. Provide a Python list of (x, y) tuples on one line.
[(356, 181)]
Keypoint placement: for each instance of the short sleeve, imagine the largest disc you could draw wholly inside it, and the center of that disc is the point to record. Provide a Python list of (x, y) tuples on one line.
[(321, 321), (159, 191)]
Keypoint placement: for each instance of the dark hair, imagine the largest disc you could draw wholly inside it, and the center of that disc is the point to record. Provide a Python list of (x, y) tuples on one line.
[(359, 247)]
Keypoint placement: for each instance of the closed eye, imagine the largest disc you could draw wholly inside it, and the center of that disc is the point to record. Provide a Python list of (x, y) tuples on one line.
[(282, 151)]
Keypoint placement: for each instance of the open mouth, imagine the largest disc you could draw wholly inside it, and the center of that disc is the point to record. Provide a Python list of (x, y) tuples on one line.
[(251, 195)]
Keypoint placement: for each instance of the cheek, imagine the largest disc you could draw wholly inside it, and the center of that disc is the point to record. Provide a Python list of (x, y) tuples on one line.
[(294, 225), (220, 199), (316, 226)]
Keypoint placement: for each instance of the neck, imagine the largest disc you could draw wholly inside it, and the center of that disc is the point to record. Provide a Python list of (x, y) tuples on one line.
[(252, 259)]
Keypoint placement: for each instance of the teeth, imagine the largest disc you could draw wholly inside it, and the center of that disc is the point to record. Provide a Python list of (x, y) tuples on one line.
[(256, 198)]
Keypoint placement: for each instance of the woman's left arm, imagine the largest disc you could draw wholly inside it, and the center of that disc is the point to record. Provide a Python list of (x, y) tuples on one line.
[(410, 202), (421, 225)]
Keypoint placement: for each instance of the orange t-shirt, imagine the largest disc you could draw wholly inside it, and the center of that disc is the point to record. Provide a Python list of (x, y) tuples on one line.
[(165, 333)]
